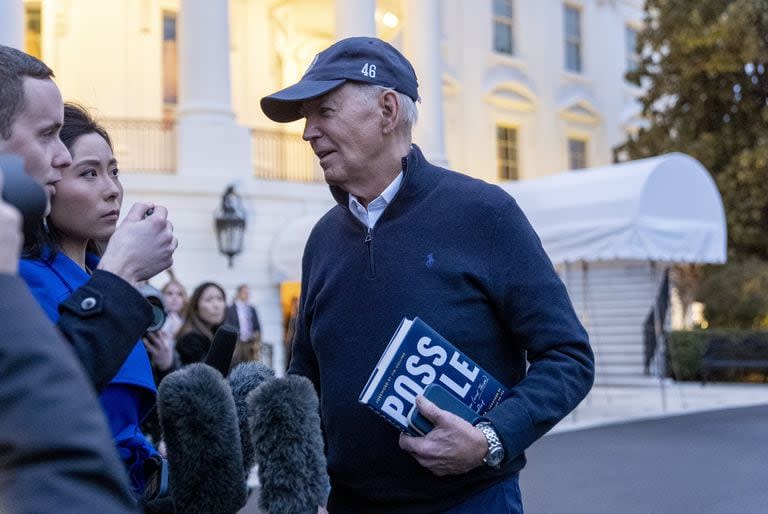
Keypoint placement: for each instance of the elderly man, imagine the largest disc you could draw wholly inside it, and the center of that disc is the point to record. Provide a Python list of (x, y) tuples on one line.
[(408, 238), (104, 318)]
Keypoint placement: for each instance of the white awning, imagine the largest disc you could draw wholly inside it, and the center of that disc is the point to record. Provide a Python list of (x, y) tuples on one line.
[(665, 208)]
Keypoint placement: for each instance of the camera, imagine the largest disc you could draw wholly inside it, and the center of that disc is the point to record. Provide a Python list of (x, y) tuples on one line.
[(155, 298), (21, 191)]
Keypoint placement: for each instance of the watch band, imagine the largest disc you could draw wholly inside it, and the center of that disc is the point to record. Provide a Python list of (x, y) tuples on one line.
[(495, 449)]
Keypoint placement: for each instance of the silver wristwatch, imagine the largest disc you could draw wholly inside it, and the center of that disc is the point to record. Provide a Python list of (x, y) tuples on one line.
[(495, 450)]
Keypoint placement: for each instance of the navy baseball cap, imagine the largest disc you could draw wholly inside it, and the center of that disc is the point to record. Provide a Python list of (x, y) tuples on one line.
[(357, 59)]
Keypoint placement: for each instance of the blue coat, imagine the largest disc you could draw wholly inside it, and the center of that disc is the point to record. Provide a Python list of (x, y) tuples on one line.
[(131, 393)]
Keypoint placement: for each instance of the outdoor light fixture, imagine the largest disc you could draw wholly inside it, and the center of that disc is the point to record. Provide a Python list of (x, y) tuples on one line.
[(230, 224)]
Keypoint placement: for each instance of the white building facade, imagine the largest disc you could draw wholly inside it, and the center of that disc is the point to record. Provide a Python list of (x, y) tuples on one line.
[(511, 89)]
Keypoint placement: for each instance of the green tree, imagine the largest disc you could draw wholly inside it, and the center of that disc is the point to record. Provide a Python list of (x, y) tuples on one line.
[(704, 69)]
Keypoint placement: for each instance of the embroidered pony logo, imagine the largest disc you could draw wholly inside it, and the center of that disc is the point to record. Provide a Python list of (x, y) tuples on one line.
[(430, 261)]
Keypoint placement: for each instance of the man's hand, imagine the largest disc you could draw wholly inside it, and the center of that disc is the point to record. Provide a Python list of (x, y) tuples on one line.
[(11, 238), (142, 246), (453, 447)]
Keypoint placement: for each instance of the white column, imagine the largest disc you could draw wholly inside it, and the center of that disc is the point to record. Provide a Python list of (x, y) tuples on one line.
[(12, 23), (355, 18), (210, 141), (422, 48)]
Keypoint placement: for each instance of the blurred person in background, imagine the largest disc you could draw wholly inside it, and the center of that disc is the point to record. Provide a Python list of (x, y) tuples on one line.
[(242, 315), (204, 315), (175, 300), (85, 209)]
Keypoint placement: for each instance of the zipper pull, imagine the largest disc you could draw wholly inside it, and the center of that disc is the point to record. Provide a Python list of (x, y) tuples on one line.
[(368, 235)]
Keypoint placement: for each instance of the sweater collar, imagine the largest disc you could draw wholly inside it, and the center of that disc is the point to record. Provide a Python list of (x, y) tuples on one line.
[(418, 174)]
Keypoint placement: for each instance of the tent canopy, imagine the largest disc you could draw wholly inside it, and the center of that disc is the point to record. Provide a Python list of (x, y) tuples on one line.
[(665, 208)]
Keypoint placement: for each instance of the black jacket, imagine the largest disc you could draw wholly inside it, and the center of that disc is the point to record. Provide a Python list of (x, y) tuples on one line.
[(55, 447), (105, 333)]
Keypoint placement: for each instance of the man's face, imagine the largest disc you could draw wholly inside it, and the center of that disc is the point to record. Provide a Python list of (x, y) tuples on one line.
[(35, 134), (344, 129), (243, 294)]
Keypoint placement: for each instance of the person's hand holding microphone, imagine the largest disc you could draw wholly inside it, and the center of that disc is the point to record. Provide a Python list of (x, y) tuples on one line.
[(142, 246)]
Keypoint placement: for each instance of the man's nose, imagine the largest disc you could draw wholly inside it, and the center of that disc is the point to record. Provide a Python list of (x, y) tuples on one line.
[(61, 156), (310, 130)]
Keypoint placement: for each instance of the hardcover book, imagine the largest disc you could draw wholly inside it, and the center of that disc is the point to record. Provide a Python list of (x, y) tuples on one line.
[(415, 357)]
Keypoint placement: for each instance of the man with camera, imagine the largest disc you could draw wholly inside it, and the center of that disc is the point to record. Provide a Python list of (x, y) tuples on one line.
[(55, 446), (103, 318)]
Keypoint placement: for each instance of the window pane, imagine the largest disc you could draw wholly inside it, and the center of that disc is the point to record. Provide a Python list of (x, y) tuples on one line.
[(572, 57), (577, 153), (633, 58), (32, 30), (502, 8), (170, 60), (169, 27), (506, 143), (502, 38), (572, 23)]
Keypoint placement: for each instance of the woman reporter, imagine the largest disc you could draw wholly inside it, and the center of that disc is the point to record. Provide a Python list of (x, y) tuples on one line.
[(84, 212)]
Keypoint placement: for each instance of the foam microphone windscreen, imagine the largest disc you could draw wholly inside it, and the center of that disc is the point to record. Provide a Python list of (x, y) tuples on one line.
[(219, 356), (243, 379), (199, 422), (288, 445)]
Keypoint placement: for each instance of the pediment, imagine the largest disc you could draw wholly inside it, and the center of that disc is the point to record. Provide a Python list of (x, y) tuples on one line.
[(576, 103), (510, 88)]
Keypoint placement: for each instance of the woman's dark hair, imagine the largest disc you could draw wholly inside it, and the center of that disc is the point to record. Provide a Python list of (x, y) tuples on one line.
[(77, 122), (192, 320)]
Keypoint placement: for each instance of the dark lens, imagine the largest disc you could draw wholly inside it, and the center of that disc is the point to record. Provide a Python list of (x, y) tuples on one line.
[(158, 315)]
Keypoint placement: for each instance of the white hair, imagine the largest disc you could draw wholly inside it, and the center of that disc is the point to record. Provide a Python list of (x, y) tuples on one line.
[(409, 113)]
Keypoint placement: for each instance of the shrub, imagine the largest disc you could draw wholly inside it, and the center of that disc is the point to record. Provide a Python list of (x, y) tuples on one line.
[(736, 295), (685, 349)]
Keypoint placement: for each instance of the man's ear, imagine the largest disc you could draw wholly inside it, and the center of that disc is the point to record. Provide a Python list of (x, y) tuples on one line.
[(389, 106)]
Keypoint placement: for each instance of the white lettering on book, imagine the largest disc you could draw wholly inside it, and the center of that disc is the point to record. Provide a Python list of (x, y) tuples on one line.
[(421, 374), (394, 406), (424, 349)]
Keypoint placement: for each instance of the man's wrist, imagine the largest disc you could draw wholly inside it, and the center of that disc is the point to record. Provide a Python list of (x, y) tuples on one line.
[(495, 453)]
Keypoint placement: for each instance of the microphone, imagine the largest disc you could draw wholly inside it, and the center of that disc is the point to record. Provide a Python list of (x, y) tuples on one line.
[(219, 356), (198, 418), (288, 445), (246, 377)]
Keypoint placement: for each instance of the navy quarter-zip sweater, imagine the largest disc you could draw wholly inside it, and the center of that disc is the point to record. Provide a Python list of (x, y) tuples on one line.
[(458, 253)]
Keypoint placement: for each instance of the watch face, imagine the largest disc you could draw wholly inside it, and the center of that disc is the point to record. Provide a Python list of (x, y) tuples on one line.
[(495, 457)]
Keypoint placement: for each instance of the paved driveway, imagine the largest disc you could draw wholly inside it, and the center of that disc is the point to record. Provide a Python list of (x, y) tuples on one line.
[(705, 463)]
